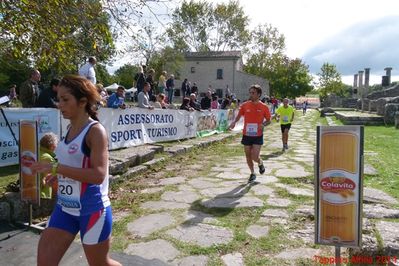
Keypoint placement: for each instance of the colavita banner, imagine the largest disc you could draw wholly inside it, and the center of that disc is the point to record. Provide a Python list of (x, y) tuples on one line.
[(339, 171), (48, 120), (29, 153)]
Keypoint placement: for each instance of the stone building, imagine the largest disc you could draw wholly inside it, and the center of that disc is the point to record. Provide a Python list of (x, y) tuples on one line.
[(220, 70)]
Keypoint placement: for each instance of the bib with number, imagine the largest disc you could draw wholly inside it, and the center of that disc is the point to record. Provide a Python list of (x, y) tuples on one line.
[(285, 119), (69, 193), (251, 129)]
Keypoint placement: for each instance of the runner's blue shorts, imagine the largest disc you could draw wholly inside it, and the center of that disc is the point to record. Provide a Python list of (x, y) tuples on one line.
[(94, 228)]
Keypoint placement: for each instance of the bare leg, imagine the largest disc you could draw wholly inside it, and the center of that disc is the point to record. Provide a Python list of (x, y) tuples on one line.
[(255, 152), (248, 155), (285, 136), (98, 254), (53, 244)]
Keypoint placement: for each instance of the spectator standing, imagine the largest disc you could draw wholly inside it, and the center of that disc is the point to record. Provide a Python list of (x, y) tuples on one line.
[(48, 97), (103, 94), (140, 79), (206, 101), (285, 113), (29, 90), (150, 80), (170, 88), (87, 70), (117, 99), (183, 88), (13, 92), (143, 98), (162, 82), (194, 88)]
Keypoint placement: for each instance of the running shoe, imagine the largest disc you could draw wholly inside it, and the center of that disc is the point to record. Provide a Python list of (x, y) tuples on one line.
[(261, 169), (252, 178)]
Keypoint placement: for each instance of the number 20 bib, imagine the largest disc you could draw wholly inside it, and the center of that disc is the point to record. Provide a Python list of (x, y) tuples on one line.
[(69, 193)]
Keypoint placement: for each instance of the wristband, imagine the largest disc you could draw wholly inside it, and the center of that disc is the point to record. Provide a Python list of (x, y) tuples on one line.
[(54, 168)]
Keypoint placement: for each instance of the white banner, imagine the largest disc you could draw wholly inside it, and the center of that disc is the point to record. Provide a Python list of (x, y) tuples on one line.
[(48, 121), (137, 126)]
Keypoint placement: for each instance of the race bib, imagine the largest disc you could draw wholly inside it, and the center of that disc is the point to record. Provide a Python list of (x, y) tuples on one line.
[(285, 119), (69, 193), (251, 129)]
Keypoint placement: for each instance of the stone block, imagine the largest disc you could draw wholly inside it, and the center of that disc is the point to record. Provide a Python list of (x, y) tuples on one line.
[(390, 112), (5, 214), (365, 105), (373, 106)]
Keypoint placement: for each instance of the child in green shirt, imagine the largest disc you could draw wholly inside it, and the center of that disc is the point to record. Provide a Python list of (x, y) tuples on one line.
[(48, 143)]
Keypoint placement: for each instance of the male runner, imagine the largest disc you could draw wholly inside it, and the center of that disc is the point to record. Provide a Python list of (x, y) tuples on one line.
[(285, 114), (254, 112)]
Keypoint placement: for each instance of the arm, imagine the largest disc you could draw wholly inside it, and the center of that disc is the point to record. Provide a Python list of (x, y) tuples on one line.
[(233, 124), (97, 141), (293, 115)]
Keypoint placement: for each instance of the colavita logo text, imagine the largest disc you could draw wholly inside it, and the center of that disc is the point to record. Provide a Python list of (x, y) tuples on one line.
[(337, 184)]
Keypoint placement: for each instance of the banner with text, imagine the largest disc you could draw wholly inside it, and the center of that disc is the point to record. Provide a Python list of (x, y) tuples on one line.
[(135, 126), (48, 120)]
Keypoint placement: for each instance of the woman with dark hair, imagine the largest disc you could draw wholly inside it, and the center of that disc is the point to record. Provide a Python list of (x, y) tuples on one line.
[(82, 172)]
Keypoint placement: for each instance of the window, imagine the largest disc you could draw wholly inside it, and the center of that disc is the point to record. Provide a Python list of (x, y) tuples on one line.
[(192, 69), (219, 73)]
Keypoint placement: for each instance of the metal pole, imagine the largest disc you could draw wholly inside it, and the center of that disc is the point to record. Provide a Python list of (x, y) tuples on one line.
[(30, 214), (337, 255)]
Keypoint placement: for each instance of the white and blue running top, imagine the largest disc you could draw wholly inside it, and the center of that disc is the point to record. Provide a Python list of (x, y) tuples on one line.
[(75, 197)]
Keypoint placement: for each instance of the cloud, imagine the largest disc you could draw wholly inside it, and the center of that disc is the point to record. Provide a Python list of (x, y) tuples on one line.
[(371, 44)]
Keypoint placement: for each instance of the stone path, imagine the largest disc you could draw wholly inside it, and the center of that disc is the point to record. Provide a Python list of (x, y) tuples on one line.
[(192, 220)]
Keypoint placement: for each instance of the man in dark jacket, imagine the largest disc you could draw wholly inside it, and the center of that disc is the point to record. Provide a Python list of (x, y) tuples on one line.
[(29, 90), (206, 101), (48, 97)]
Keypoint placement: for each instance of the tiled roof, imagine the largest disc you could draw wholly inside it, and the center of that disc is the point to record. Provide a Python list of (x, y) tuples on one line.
[(213, 54)]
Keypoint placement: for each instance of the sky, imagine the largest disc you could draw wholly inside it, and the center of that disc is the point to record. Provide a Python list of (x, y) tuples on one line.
[(351, 34)]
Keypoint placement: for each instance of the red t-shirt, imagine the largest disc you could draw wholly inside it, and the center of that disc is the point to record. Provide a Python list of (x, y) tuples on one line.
[(254, 114)]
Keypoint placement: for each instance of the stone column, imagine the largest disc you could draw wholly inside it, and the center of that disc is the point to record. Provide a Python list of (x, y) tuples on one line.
[(360, 89), (366, 81), (355, 95), (388, 74)]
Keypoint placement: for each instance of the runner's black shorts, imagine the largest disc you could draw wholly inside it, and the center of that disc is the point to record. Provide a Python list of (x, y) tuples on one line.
[(286, 126), (250, 140)]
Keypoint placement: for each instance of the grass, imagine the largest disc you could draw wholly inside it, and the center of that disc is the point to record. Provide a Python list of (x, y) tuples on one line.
[(384, 141), (8, 174)]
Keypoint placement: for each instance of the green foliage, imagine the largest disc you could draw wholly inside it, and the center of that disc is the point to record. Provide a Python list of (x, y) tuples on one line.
[(56, 35), (167, 59), (198, 26), (12, 71), (330, 81), (124, 75), (103, 76), (287, 77)]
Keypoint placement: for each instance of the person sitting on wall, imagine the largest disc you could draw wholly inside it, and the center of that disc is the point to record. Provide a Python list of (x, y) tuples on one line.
[(143, 98), (117, 99)]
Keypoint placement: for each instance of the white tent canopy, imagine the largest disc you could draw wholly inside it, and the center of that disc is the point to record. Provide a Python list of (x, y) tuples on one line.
[(112, 87)]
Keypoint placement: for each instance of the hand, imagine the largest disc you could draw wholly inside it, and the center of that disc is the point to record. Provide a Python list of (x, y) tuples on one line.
[(41, 167), (267, 122), (50, 179), (232, 125)]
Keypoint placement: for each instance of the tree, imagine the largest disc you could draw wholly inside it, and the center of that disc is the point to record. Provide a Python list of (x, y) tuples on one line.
[(167, 59), (124, 75), (330, 81), (287, 77), (198, 26), (56, 35)]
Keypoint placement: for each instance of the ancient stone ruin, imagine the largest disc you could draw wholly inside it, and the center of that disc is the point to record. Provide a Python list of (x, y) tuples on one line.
[(384, 102)]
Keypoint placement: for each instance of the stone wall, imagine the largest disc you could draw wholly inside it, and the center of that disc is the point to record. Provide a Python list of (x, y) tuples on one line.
[(380, 104), (397, 120), (390, 92)]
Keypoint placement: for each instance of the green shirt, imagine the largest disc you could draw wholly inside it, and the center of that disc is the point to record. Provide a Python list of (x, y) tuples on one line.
[(285, 114), (47, 156)]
